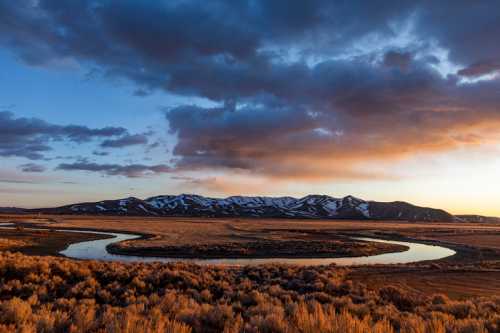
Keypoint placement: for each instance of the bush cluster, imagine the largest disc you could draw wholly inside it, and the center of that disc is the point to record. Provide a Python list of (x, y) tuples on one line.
[(48, 294)]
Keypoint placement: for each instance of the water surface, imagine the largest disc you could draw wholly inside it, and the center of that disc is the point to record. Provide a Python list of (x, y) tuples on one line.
[(96, 250)]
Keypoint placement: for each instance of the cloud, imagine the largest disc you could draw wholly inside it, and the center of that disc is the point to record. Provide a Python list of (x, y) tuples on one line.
[(125, 141), (305, 89), (466, 44), (31, 137), (10, 181), (480, 68), (130, 170), (235, 48), (12, 176), (32, 167), (225, 186), (100, 153), (370, 113), (401, 60), (217, 57), (141, 93)]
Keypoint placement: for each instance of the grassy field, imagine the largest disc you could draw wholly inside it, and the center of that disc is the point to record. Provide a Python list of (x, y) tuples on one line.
[(173, 232), (49, 294), (46, 294), (208, 237), (185, 231), (456, 283), (216, 238)]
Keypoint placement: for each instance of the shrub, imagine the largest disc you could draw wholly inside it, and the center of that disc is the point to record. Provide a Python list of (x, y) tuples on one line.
[(46, 294)]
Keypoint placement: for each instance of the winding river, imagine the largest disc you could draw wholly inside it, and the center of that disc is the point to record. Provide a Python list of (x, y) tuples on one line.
[(96, 250)]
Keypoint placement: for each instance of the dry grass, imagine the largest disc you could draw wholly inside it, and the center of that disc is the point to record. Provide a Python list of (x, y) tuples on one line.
[(185, 231), (479, 239), (47, 294), (9, 244), (303, 248), (60, 295), (455, 283), (207, 237)]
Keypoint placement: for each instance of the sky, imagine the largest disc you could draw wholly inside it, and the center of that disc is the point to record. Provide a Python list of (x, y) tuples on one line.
[(383, 100)]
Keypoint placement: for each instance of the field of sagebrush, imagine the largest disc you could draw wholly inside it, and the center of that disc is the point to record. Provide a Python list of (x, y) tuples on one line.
[(48, 294)]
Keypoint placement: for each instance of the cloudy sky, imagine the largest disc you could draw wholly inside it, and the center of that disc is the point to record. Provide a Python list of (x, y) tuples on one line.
[(385, 100)]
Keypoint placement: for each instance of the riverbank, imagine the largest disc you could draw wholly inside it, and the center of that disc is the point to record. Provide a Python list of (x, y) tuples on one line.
[(29, 238), (42, 242), (253, 238), (99, 250)]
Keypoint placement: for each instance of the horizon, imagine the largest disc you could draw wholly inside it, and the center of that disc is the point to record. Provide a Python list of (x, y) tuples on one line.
[(112, 99), (245, 196)]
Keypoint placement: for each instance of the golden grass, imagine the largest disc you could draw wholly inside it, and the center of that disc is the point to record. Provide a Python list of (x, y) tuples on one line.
[(7, 244), (172, 231), (46, 294), (480, 239), (457, 284)]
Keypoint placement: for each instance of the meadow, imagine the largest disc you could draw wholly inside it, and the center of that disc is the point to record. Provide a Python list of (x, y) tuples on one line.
[(55, 294), (177, 231), (48, 294)]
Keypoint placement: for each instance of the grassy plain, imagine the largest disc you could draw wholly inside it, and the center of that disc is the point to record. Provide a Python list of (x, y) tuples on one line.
[(457, 294), (165, 232), (185, 231)]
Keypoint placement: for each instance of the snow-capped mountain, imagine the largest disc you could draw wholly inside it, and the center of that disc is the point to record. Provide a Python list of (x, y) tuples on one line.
[(311, 206)]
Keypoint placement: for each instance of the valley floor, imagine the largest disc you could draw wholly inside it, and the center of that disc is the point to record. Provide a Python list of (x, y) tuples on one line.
[(457, 294)]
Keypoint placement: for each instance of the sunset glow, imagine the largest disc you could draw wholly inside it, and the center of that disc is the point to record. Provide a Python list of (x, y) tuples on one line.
[(104, 99)]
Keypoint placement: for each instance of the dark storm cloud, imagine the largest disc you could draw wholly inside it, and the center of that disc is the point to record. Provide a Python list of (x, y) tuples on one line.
[(289, 90), (398, 59), (32, 167), (468, 30), (130, 170), (223, 137), (370, 112), (216, 49), (31, 137), (125, 141), (167, 45), (481, 68)]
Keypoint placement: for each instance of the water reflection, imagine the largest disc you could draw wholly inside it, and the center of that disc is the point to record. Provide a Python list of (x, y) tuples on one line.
[(96, 250)]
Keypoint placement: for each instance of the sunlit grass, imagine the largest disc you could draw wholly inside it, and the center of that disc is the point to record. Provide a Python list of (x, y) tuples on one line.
[(59, 295)]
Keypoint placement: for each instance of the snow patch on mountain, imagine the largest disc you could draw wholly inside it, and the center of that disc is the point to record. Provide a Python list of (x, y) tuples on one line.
[(311, 206)]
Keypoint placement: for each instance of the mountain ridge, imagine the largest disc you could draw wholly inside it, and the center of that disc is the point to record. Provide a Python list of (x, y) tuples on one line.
[(312, 206)]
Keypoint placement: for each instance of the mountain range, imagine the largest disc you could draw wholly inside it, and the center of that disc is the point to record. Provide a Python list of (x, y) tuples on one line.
[(311, 206)]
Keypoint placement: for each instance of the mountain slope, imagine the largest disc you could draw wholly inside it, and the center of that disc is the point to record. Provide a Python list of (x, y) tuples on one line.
[(479, 218), (311, 206), (11, 210)]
